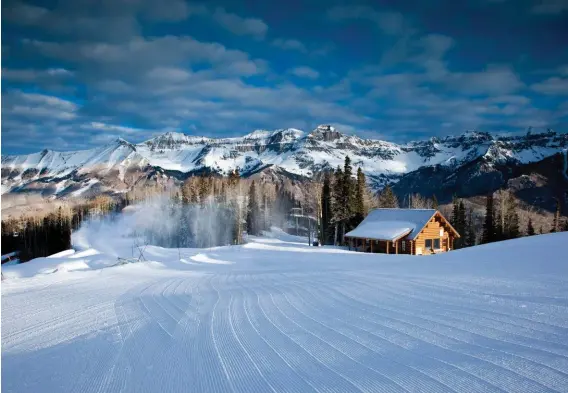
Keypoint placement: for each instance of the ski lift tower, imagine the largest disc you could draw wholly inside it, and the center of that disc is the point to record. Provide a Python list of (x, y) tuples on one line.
[(303, 223)]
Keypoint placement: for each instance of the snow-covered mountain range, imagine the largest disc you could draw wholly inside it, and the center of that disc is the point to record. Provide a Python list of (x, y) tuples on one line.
[(120, 165)]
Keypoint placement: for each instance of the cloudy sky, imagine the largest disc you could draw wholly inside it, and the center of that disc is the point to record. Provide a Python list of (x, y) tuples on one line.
[(79, 73)]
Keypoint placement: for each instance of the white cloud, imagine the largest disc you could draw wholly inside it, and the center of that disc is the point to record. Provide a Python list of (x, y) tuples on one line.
[(169, 74), (552, 86), (31, 75), (147, 53), (495, 80), (550, 7), (50, 101), (290, 45), (95, 125), (239, 25), (305, 72), (392, 23), (17, 104)]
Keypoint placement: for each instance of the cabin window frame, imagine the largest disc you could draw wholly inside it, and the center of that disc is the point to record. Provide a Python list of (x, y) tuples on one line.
[(403, 246), (434, 244), (430, 244)]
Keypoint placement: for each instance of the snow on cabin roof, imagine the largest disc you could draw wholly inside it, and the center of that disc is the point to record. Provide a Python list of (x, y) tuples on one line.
[(392, 224)]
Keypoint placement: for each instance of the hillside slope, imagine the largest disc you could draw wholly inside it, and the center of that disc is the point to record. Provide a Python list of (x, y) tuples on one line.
[(277, 315)]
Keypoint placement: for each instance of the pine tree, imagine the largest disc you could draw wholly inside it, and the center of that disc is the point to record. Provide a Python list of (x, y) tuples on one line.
[(348, 197), (511, 229), (253, 212), (470, 230), (498, 227), (326, 235), (387, 199), (455, 213), (556, 220), (338, 206), (530, 228), (359, 198), (435, 203), (461, 224), (458, 221), (488, 234)]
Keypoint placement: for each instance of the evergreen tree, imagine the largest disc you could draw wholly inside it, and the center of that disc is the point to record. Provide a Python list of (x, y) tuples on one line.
[(338, 205), (556, 219), (470, 230), (511, 229), (326, 235), (458, 221), (348, 197), (530, 228), (455, 213), (461, 224), (435, 203), (488, 234), (498, 227), (387, 199), (359, 198), (253, 212)]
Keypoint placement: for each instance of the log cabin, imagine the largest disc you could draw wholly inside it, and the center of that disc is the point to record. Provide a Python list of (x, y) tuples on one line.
[(403, 231)]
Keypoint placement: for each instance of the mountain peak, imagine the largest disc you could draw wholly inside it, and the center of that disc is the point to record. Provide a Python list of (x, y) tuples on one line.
[(258, 134), (326, 133)]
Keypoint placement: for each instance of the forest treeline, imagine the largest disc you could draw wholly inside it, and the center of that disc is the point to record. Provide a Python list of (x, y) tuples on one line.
[(210, 210), (40, 234), (346, 200)]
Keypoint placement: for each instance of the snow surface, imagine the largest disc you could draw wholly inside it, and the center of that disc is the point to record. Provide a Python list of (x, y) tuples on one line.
[(278, 315), (391, 224)]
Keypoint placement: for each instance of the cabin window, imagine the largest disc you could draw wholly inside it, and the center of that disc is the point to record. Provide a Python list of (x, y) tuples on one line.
[(403, 246), (433, 244)]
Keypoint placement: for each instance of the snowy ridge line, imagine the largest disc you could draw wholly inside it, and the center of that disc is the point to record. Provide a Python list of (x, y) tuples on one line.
[(282, 151)]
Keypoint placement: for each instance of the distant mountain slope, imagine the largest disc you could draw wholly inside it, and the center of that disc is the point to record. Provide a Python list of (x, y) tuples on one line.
[(120, 165)]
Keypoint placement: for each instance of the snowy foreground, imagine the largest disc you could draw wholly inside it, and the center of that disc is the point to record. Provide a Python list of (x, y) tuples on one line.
[(276, 315)]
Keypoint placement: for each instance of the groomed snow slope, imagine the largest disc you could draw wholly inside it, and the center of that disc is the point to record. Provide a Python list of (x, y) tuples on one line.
[(276, 315)]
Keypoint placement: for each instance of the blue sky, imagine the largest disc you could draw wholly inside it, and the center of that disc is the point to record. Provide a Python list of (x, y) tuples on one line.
[(79, 73)]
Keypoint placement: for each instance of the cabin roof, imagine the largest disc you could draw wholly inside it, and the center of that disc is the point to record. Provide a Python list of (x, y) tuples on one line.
[(392, 224)]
